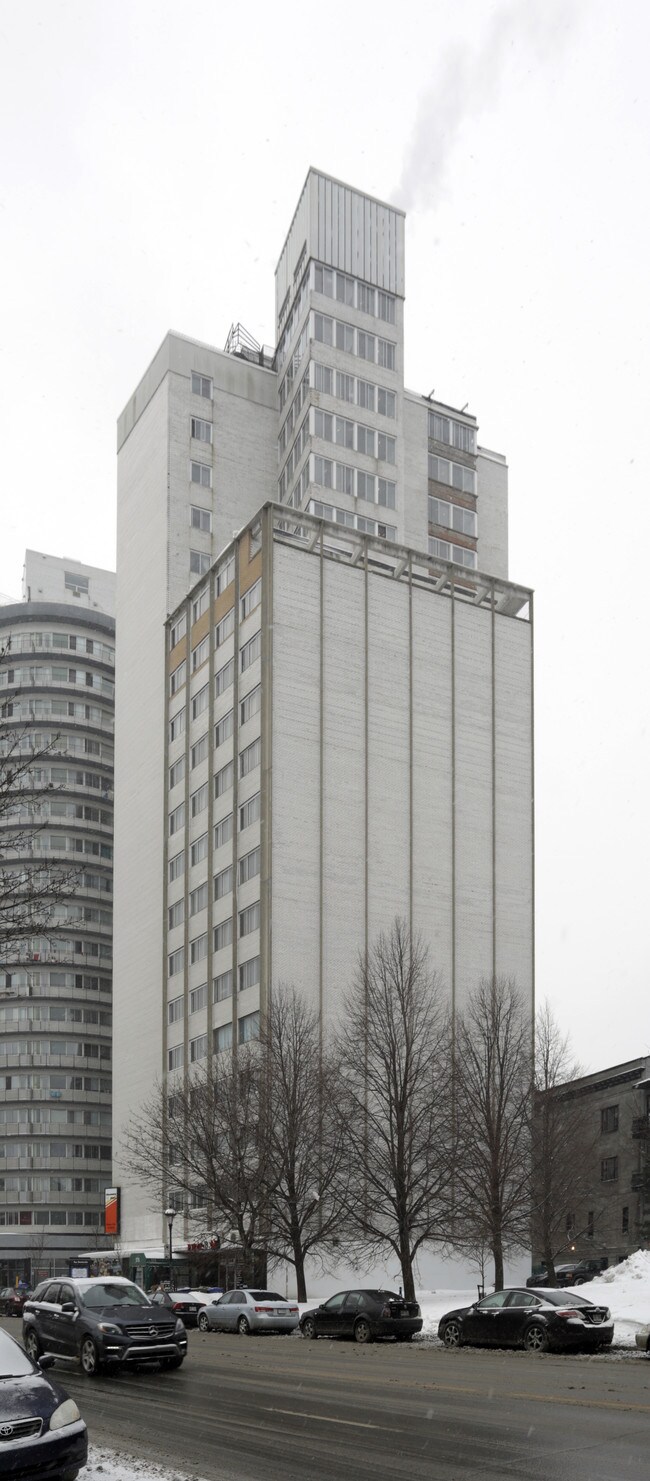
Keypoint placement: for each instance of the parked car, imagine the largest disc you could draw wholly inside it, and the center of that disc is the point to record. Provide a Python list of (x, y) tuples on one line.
[(364, 1315), (642, 1339), (42, 1433), (536, 1320), (184, 1304), (247, 1312), (574, 1273), (12, 1300), (102, 1321)]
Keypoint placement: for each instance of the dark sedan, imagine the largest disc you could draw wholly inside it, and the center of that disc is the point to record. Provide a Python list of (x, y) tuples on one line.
[(42, 1433), (363, 1315), (12, 1300), (182, 1304), (536, 1320)]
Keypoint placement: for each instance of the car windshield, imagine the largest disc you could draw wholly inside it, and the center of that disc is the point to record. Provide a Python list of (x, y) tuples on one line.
[(98, 1294), (14, 1363), (266, 1296), (560, 1298)]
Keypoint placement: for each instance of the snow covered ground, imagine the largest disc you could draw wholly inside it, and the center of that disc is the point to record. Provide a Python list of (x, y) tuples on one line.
[(109, 1465)]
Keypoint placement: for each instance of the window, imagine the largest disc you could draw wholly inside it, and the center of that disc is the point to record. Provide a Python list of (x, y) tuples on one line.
[(324, 472), (222, 986), (386, 493), (345, 337), (198, 1048), (223, 729), (625, 1220), (224, 628), (177, 819), (177, 678), (200, 751), (386, 447), (454, 474), (176, 914), (251, 599), (250, 757), (452, 517), (223, 780), (250, 705), (199, 849), (176, 772), (224, 677), (249, 811), (609, 1170), (249, 973), (590, 1224), (176, 866), (250, 865), (458, 553), (386, 353), (223, 934), (200, 654), (609, 1119), (178, 630), (176, 961), (324, 280), (249, 1028), (201, 473), (455, 434), (226, 575), (223, 831), (324, 329), (386, 402), (199, 896), (386, 307), (175, 1010), (199, 948), (365, 298), (175, 1058), (201, 385), (199, 563), (223, 883), (366, 441), (366, 346), (201, 519), (249, 919), (201, 429), (366, 486), (366, 395), (75, 583), (199, 800), (222, 1038), (200, 604), (324, 379), (251, 651)]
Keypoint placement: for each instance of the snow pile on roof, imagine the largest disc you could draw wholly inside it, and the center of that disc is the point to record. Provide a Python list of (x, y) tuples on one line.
[(110, 1465), (625, 1288)]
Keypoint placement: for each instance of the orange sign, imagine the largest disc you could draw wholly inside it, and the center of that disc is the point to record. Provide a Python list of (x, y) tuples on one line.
[(111, 1210)]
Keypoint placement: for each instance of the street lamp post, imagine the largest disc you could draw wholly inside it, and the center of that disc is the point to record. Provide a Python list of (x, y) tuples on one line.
[(170, 1215)]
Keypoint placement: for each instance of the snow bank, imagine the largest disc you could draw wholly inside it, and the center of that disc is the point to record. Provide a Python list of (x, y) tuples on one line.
[(625, 1288), (110, 1465)]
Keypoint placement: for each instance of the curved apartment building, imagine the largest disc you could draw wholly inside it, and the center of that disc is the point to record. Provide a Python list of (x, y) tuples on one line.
[(57, 657)]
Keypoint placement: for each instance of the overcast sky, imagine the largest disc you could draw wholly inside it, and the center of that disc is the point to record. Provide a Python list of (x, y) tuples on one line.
[(153, 157)]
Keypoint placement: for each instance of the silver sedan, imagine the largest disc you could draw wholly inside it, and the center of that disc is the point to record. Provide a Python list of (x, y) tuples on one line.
[(245, 1312)]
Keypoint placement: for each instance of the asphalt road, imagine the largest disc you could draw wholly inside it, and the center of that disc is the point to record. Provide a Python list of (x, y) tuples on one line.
[(261, 1409)]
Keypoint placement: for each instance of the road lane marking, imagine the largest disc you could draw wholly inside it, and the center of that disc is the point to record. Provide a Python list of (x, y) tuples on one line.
[(356, 1424)]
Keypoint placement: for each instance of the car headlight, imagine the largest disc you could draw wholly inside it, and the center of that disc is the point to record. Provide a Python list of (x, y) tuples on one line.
[(179, 1326), (110, 1327), (67, 1413)]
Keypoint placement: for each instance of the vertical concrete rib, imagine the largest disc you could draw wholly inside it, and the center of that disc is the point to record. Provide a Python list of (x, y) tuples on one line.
[(494, 780), (235, 796), (266, 776), (453, 797), (321, 792), (532, 800), (411, 817)]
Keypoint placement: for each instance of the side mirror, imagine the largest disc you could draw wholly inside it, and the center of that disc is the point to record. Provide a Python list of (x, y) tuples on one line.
[(68, 1308), (46, 1361)]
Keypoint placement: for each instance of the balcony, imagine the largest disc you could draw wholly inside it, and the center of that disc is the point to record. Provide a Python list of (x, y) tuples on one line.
[(640, 1126)]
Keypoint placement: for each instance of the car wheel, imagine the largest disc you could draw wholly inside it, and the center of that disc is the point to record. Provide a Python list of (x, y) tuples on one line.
[(172, 1362), (33, 1345), (452, 1336), (536, 1338), (243, 1326), (203, 1323), (362, 1331), (308, 1328), (90, 1357)]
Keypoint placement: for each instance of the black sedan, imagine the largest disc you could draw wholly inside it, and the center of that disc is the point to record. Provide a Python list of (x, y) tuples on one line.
[(182, 1304), (12, 1300), (363, 1315), (536, 1320), (42, 1433)]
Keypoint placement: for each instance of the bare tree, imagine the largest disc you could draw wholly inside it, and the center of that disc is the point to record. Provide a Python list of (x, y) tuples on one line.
[(307, 1190), (492, 1098), (207, 1137), (394, 1050), (562, 1143)]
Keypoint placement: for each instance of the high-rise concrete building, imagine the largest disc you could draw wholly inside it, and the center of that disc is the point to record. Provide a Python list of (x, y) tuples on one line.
[(57, 661), (324, 713)]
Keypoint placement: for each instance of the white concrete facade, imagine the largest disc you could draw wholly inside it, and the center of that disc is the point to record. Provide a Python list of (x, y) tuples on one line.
[(364, 679)]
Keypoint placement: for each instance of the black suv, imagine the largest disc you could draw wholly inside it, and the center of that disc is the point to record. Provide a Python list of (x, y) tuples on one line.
[(577, 1273), (101, 1321)]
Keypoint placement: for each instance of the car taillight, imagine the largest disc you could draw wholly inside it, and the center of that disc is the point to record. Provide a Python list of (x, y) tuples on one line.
[(568, 1313), (293, 1310), (260, 1308), (386, 1311)]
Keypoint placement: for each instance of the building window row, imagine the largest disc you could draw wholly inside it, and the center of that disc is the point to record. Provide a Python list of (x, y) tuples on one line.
[(293, 321), (57, 709), (352, 341), (293, 413), (354, 435), (56, 673), (353, 481), (454, 434), (352, 521), (452, 517), (27, 1218), (444, 551), (354, 293), (454, 474), (286, 384), (352, 389), (77, 981), (53, 1013), (47, 1081), (35, 642)]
